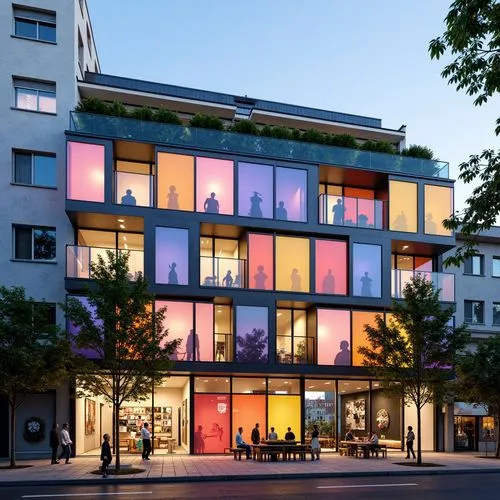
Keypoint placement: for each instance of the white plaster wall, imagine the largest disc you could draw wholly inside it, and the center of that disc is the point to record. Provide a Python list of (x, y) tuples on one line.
[(85, 443), (428, 424), (185, 395)]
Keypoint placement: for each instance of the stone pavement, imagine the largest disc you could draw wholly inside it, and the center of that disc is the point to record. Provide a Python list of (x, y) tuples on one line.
[(180, 468)]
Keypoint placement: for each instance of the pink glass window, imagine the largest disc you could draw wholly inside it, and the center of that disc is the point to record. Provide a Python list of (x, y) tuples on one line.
[(179, 323), (214, 186), (85, 172), (172, 256), (334, 337), (261, 261), (212, 423), (204, 338), (331, 267)]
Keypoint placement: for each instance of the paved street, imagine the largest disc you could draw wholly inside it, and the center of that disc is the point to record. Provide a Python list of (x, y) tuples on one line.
[(476, 486)]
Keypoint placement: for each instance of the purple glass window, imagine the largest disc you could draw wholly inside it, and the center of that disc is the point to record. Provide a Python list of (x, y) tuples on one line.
[(252, 334), (73, 331), (255, 190), (367, 270), (291, 194), (172, 256)]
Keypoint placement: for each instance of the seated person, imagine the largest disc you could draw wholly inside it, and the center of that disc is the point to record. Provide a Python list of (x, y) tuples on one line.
[(273, 435), (289, 436), (240, 443), (373, 442), (349, 436)]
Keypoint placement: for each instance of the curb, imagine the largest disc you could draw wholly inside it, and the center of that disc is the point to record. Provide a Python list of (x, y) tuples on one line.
[(438, 471)]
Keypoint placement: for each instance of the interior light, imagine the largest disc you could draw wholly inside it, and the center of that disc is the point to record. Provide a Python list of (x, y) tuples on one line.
[(312, 386), (342, 391), (279, 314), (346, 383), (358, 388), (126, 246), (263, 383), (205, 381), (375, 385), (327, 383), (122, 226), (219, 311), (285, 382), (405, 247), (124, 238), (227, 381), (121, 220)]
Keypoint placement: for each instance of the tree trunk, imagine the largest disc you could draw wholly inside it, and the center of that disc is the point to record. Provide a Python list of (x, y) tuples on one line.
[(497, 454), (12, 432), (419, 433), (116, 432)]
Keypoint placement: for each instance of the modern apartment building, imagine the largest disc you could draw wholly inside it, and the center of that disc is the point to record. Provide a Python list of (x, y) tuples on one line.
[(271, 254)]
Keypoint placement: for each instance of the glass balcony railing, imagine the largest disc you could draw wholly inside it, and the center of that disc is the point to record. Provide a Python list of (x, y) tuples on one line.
[(79, 259), (223, 348), (295, 350), (444, 282), (222, 272), (216, 140), (352, 212)]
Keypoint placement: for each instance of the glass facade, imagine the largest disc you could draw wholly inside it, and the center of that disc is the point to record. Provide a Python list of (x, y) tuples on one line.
[(85, 172), (334, 337), (359, 338), (175, 181), (214, 186), (331, 267), (252, 326), (292, 264), (172, 256), (261, 261), (438, 207), (255, 190), (367, 270), (403, 206), (291, 194)]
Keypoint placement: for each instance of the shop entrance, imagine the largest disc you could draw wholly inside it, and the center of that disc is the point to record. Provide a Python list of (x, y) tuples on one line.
[(466, 433)]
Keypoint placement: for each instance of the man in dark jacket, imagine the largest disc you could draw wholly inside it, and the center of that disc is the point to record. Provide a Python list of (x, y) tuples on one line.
[(106, 455), (255, 437), (54, 443)]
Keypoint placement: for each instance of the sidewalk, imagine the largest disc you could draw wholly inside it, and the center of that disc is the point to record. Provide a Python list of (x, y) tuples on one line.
[(183, 468)]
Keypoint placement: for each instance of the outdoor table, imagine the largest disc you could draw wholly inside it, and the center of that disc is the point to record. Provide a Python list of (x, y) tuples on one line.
[(275, 448), (358, 447)]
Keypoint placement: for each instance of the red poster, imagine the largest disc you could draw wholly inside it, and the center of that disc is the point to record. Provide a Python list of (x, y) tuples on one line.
[(212, 413)]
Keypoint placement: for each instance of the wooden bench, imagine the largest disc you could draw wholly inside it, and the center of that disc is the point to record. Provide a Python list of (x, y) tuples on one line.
[(237, 452), (382, 449)]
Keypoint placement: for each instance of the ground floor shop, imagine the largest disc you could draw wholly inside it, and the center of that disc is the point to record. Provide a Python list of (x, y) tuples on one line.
[(473, 429)]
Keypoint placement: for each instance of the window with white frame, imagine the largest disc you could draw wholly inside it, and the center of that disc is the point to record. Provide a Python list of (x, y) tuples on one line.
[(34, 95), (34, 243), (34, 169), (474, 265), (474, 311), (496, 267), (35, 24), (496, 313)]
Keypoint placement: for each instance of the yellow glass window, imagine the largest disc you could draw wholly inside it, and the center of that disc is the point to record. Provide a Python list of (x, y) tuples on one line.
[(292, 264), (284, 412), (438, 202), (176, 182), (403, 206)]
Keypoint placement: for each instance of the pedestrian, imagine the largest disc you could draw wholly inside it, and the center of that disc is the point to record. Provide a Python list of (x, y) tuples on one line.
[(106, 455), (146, 441), (54, 443), (410, 438), (315, 446), (65, 443)]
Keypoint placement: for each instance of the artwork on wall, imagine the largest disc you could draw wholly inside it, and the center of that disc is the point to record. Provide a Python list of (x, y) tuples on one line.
[(383, 419), (355, 414), (184, 423), (89, 416)]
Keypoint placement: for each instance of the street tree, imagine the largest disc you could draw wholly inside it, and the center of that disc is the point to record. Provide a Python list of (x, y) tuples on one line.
[(34, 356), (123, 336), (413, 353), (478, 379), (472, 40)]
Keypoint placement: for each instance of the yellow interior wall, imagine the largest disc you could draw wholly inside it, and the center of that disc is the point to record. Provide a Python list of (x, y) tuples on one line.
[(284, 412), (292, 253), (176, 170), (403, 198)]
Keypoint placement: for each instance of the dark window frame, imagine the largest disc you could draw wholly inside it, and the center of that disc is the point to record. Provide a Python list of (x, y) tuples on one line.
[(33, 155), (493, 322), (469, 312), (17, 251), (469, 265), (38, 18)]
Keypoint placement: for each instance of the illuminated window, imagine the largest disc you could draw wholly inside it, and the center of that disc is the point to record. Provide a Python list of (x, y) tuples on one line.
[(247, 410), (220, 264), (223, 333), (438, 206), (291, 194), (331, 267), (214, 186), (261, 261), (293, 346), (212, 419), (334, 337), (251, 334), (359, 338), (403, 206), (85, 172), (134, 184), (367, 270), (178, 321), (255, 191), (292, 264), (175, 182), (172, 256)]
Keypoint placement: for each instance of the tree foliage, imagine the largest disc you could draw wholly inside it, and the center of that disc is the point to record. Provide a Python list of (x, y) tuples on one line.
[(478, 379), (34, 354), (472, 38), (128, 338), (413, 353), (252, 347)]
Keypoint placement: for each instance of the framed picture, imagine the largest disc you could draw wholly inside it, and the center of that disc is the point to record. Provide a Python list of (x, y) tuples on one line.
[(355, 414), (89, 416)]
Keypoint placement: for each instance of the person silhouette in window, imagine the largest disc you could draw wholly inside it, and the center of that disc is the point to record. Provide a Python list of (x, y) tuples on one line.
[(255, 201), (329, 283), (366, 285), (260, 278), (338, 212), (172, 199), (228, 280), (172, 274), (192, 342), (211, 205), (128, 199), (296, 280), (237, 281), (400, 223), (199, 441), (281, 212), (343, 357), (430, 225)]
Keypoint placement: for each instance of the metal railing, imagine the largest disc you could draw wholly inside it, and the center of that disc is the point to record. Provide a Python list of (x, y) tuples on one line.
[(444, 282), (295, 350), (222, 272), (217, 140)]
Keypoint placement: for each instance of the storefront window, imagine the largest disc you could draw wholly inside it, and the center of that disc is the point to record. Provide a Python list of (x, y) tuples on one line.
[(283, 412), (172, 256), (251, 334), (214, 186), (282, 386), (359, 338), (248, 409), (367, 270), (255, 191), (249, 386), (438, 206), (85, 172), (334, 337), (212, 424), (291, 194), (331, 267), (175, 182), (293, 346), (292, 264), (354, 407), (179, 323), (403, 206), (319, 402), (261, 261), (216, 385)]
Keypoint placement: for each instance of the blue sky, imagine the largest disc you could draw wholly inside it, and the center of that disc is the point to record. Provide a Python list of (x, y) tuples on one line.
[(358, 56)]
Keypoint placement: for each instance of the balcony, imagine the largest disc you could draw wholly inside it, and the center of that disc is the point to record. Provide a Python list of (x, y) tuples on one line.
[(79, 259), (295, 350), (222, 272), (445, 282), (214, 140), (352, 212)]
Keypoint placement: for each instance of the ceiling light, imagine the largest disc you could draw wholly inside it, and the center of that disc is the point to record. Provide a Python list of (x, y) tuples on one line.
[(227, 381), (405, 247), (124, 238), (327, 383), (346, 383), (219, 311), (205, 381), (312, 386), (122, 226), (342, 391), (121, 220), (285, 382), (279, 314), (358, 388), (376, 385), (263, 383)]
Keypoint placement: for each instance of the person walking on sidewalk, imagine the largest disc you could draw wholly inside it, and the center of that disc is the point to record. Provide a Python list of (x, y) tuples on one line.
[(146, 441), (106, 455), (65, 443), (410, 438), (54, 443)]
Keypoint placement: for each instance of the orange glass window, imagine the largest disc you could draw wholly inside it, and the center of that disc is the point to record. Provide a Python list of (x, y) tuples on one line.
[(438, 203), (403, 206), (175, 182), (359, 338), (214, 186), (249, 409), (331, 267), (261, 261)]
